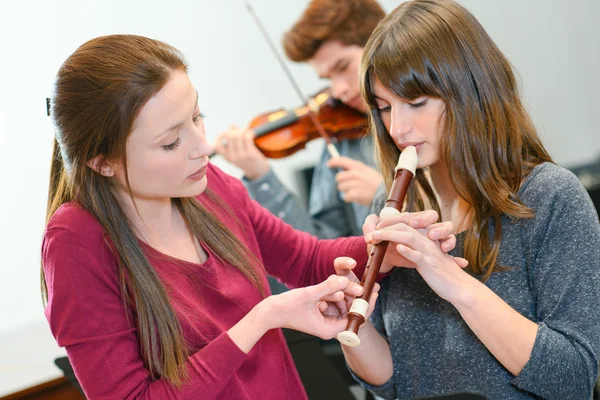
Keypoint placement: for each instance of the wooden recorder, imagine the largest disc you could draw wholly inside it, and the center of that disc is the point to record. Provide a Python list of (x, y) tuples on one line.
[(405, 171)]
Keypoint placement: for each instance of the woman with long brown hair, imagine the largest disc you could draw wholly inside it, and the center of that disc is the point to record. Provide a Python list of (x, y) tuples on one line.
[(154, 261), (523, 321)]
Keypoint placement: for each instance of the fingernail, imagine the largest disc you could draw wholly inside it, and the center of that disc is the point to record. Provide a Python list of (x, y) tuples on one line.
[(341, 280), (350, 262), (357, 290), (376, 234), (434, 235)]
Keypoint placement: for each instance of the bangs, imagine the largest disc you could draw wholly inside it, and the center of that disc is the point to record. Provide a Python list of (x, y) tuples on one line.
[(402, 63)]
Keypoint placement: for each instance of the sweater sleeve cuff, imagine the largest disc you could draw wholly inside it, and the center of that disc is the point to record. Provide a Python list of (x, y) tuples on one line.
[(263, 187), (549, 372), (358, 251), (530, 370), (224, 358), (387, 390)]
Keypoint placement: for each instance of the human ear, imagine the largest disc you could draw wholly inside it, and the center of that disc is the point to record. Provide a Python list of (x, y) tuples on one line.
[(101, 165)]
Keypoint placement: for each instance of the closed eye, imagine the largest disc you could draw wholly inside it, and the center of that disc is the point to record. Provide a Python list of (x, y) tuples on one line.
[(418, 104), (173, 145), (343, 67)]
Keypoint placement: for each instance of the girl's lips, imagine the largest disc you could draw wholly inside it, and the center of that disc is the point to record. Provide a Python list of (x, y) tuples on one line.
[(416, 145), (196, 176)]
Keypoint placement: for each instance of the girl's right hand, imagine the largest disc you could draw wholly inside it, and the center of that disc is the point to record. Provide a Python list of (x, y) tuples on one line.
[(313, 309)]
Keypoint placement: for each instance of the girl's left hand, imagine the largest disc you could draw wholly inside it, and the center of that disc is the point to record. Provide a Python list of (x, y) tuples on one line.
[(424, 222), (440, 270)]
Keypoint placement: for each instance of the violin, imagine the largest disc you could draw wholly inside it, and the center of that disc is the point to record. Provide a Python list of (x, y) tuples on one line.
[(282, 133)]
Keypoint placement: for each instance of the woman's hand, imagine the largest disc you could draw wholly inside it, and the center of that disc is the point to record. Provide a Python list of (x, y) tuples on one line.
[(237, 147), (376, 229), (442, 272), (314, 309), (343, 267)]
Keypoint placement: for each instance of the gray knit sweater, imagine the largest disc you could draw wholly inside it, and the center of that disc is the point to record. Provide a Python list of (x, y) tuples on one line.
[(553, 280)]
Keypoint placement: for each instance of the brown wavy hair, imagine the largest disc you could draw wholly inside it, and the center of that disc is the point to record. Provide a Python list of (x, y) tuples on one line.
[(437, 48), (349, 21), (99, 91)]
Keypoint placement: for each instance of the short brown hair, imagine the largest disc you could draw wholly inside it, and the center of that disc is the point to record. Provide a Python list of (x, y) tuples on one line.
[(349, 21)]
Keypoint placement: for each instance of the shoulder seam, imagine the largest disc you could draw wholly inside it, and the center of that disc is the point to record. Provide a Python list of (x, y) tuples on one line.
[(77, 237)]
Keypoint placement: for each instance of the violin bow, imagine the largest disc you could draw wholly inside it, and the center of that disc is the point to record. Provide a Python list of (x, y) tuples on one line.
[(311, 106)]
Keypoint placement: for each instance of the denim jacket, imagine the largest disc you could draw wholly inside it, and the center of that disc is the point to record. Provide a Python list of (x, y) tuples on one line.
[(328, 216)]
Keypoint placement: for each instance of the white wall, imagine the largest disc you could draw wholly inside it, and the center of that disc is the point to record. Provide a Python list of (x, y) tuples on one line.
[(555, 47), (554, 44)]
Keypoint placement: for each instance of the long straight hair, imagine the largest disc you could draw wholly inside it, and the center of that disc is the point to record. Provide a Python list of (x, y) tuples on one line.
[(436, 48), (99, 92)]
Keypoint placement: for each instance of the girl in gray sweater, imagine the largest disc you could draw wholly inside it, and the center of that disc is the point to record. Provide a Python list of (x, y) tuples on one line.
[(523, 319)]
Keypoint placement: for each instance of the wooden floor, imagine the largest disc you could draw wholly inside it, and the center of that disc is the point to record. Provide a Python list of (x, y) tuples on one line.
[(57, 389)]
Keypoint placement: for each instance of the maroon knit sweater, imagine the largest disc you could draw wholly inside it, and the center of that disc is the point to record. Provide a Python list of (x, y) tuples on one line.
[(86, 313)]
